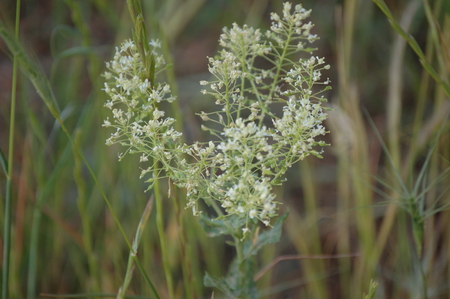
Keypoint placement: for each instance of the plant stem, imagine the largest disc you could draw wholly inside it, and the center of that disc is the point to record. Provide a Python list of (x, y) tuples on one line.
[(237, 242), (132, 255), (414, 45), (8, 199), (161, 231)]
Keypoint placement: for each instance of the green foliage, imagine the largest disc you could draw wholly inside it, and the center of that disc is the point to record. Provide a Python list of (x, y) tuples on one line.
[(269, 236), (239, 283), (372, 290)]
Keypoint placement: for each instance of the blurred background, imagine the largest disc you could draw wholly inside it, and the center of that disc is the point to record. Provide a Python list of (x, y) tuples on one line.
[(380, 193)]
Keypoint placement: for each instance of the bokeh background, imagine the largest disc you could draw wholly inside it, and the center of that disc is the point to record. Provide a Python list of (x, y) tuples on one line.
[(383, 179)]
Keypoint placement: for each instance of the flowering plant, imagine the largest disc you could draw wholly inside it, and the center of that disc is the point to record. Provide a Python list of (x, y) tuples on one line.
[(254, 74)]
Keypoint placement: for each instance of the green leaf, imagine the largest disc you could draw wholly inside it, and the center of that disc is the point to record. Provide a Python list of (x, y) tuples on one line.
[(278, 182), (248, 286), (236, 221), (267, 237), (317, 155), (214, 227), (237, 283), (219, 283), (268, 172), (150, 187)]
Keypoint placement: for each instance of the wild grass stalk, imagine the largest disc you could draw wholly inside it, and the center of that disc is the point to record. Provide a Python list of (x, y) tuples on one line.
[(415, 46), (9, 175), (394, 97), (136, 242)]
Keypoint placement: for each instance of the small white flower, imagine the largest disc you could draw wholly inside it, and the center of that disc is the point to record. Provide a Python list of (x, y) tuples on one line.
[(157, 114), (106, 123), (155, 43)]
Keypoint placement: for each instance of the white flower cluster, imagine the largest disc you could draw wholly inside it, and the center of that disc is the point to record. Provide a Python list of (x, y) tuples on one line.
[(255, 147), (134, 102), (230, 172), (281, 26), (240, 170)]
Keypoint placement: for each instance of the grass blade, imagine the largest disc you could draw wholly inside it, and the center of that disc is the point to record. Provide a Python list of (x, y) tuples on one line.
[(8, 198)]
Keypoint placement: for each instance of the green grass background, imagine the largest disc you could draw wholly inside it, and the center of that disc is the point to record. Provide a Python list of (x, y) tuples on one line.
[(381, 192)]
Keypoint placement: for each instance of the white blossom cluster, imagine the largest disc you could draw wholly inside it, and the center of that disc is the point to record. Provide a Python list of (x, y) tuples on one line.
[(229, 172), (256, 147), (253, 74), (140, 126)]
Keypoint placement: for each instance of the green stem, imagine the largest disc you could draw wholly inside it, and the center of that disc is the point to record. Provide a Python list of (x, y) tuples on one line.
[(8, 199), (146, 277), (418, 240), (414, 45), (244, 70), (161, 232), (239, 249), (279, 67), (424, 280), (34, 242), (132, 255), (418, 235), (237, 242), (280, 62)]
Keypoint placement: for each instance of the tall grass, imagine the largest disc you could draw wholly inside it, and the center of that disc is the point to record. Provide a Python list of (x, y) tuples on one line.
[(374, 209), (8, 167)]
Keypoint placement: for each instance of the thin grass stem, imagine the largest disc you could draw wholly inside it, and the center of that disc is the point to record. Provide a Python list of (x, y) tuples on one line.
[(414, 45), (162, 232), (9, 177), (131, 258)]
